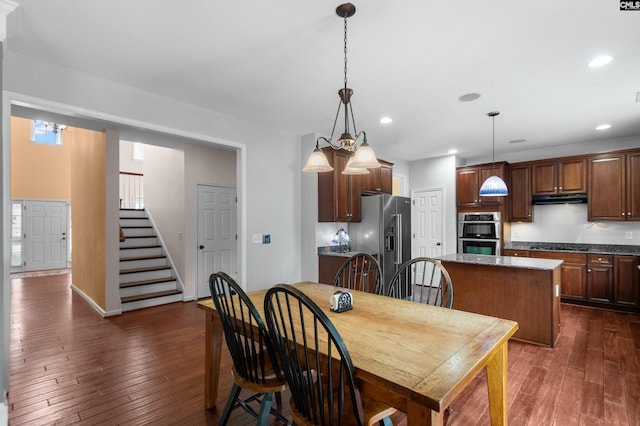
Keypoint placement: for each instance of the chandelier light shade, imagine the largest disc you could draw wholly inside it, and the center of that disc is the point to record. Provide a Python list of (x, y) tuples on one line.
[(494, 186), (317, 162), (363, 157)]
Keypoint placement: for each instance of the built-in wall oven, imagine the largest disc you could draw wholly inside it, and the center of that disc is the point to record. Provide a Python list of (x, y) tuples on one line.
[(479, 233)]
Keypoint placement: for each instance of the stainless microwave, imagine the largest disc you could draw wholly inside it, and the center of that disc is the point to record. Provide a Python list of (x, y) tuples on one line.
[(484, 226), (479, 233)]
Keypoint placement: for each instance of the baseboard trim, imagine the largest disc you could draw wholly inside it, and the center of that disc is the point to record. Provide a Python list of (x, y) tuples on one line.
[(93, 304)]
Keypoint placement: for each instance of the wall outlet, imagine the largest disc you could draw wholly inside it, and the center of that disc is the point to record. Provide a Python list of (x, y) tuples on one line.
[(628, 235), (266, 239), (256, 238)]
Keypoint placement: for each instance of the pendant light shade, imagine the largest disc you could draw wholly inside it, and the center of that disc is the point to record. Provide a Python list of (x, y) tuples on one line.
[(494, 186), (317, 162), (350, 170)]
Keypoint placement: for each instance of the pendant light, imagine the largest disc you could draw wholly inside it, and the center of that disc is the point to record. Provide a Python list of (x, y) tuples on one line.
[(363, 157), (494, 186)]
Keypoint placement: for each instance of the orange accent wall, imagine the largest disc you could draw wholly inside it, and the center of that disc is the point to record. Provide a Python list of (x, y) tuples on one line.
[(88, 212), (40, 172)]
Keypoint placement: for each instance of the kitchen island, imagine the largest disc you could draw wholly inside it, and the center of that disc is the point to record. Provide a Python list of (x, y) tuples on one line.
[(525, 290)]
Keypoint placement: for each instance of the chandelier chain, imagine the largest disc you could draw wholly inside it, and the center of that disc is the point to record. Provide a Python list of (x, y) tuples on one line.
[(345, 52)]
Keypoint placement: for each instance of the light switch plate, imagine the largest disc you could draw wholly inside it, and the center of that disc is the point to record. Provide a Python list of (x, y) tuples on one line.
[(256, 238)]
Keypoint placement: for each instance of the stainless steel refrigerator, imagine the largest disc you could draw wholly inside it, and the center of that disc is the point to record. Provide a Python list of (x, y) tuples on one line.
[(385, 230)]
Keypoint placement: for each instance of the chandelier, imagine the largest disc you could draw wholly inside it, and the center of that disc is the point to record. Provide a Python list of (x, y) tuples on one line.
[(363, 157)]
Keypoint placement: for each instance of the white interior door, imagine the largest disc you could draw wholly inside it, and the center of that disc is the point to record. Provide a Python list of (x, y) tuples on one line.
[(427, 213), (45, 235), (216, 234)]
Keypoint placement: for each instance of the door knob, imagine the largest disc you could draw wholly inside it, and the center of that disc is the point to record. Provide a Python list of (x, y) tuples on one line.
[(201, 247)]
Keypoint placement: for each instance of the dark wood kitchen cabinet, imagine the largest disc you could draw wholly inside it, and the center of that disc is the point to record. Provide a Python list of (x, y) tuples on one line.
[(338, 194), (379, 180), (614, 186), (626, 281), (562, 176), (573, 272), (470, 178), (520, 194), (600, 278)]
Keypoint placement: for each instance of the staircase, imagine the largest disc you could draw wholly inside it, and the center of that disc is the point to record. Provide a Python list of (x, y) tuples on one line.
[(147, 275)]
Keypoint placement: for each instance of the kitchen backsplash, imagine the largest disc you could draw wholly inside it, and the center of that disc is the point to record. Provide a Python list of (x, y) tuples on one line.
[(567, 223)]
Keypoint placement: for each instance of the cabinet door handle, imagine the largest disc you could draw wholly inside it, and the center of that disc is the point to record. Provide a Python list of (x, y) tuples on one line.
[(628, 213), (560, 188), (622, 213), (588, 270)]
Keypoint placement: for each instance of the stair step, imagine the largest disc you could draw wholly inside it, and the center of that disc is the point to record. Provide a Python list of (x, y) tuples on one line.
[(139, 247), (136, 227), (152, 268), (146, 282), (129, 259), (149, 296)]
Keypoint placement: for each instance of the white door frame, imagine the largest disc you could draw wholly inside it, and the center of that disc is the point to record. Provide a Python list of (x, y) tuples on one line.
[(442, 221), (62, 240), (204, 268)]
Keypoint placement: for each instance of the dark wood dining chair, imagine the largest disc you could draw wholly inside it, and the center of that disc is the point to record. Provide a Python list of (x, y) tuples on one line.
[(255, 366), (316, 363), (360, 272), (423, 280)]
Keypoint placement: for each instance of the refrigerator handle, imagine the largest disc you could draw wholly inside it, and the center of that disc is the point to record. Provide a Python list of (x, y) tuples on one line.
[(398, 232)]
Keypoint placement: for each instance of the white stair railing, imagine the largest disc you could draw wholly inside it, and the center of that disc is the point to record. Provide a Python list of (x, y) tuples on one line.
[(131, 190)]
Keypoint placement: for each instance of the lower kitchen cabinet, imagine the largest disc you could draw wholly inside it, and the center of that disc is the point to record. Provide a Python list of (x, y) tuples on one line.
[(573, 273), (626, 282), (328, 266), (600, 278)]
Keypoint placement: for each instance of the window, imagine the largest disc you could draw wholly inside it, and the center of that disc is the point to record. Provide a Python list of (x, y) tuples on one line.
[(138, 151), (46, 133)]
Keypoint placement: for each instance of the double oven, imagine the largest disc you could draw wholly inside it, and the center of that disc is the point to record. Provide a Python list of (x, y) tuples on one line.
[(479, 233)]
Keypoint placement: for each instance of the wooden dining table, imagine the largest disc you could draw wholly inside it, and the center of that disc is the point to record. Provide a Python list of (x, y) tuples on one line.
[(412, 356)]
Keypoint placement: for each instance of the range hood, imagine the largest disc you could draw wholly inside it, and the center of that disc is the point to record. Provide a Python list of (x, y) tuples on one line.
[(579, 198)]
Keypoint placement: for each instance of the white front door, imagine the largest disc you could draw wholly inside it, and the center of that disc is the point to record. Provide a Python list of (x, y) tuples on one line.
[(216, 235), (427, 223), (46, 228)]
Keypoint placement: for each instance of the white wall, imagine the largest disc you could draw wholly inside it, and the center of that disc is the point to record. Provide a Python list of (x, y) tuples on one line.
[(127, 163), (567, 223), (439, 172), (164, 174), (269, 184)]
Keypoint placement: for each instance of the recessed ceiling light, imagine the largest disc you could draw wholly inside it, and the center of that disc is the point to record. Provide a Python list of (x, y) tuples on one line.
[(603, 127), (469, 97), (517, 141), (453, 151), (386, 120), (600, 61)]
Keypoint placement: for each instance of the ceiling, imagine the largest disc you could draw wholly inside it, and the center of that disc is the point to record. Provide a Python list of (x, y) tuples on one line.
[(280, 63)]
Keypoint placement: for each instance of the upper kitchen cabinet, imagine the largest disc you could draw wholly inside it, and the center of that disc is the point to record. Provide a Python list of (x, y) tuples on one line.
[(379, 180), (338, 194), (470, 178), (520, 194), (614, 186), (561, 176)]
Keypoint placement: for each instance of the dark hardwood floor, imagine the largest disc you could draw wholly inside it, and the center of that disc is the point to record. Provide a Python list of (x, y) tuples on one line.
[(71, 366)]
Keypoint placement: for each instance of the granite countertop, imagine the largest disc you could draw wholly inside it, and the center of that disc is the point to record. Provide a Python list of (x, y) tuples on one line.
[(512, 262), (574, 247)]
